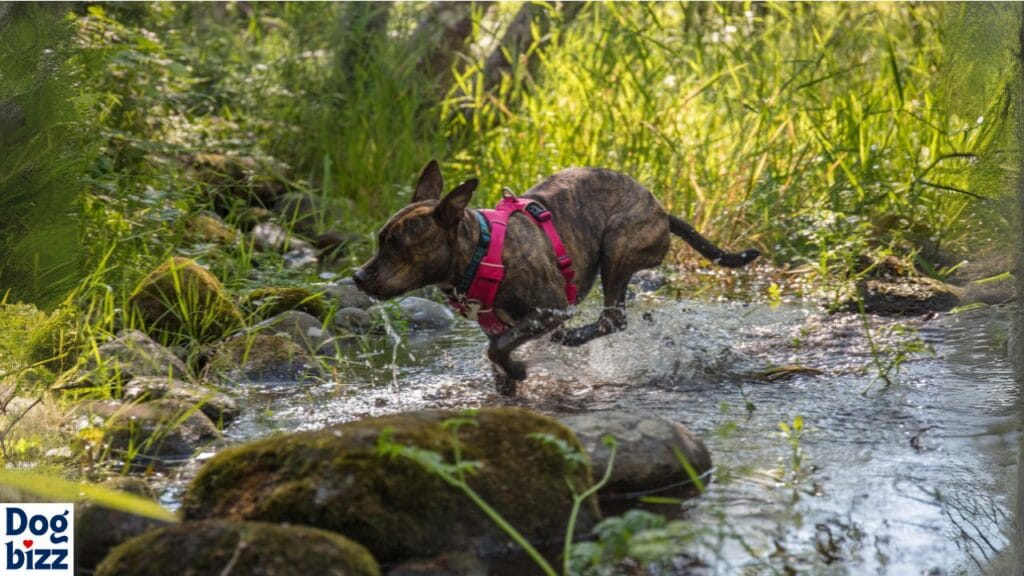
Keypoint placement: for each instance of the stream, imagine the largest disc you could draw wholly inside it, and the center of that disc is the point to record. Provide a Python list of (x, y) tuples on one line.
[(913, 478)]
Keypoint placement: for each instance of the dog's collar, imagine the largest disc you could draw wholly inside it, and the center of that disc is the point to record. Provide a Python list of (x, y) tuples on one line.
[(481, 250)]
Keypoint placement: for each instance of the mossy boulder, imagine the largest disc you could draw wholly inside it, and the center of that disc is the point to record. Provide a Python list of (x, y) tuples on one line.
[(181, 300), (249, 548), (262, 358), (273, 300), (99, 529), (338, 479)]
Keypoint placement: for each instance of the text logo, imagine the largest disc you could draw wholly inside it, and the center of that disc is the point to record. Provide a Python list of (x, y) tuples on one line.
[(37, 539)]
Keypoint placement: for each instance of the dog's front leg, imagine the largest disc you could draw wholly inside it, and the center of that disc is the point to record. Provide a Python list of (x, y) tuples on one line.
[(507, 372)]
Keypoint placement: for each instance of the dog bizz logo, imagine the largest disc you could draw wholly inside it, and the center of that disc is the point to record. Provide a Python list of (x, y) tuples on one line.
[(37, 539)]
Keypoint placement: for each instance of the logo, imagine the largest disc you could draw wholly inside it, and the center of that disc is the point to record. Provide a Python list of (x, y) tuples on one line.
[(37, 539)]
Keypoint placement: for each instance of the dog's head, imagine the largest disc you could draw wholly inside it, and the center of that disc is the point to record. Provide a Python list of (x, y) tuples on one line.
[(415, 246)]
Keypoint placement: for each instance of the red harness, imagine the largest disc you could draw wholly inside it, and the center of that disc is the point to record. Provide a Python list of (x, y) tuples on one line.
[(477, 303)]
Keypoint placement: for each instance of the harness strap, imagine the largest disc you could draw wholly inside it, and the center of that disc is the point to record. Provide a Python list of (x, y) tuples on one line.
[(474, 297)]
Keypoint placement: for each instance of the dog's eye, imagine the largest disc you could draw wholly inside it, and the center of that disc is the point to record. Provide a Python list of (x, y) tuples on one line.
[(391, 241)]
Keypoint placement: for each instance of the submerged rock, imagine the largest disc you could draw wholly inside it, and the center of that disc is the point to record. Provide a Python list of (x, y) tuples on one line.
[(646, 459), (262, 358), (423, 313), (182, 299), (218, 407), (132, 354), (342, 479), (161, 430), (354, 320), (301, 328), (906, 296), (239, 548), (99, 529)]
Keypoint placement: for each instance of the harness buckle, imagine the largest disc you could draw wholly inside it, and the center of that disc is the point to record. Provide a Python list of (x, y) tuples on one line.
[(471, 309), (564, 261), (538, 211)]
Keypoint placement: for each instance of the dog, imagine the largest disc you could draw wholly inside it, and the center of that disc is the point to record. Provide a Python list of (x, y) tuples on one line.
[(609, 225)]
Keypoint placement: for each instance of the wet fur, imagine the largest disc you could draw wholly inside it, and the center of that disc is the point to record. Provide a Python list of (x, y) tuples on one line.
[(611, 226)]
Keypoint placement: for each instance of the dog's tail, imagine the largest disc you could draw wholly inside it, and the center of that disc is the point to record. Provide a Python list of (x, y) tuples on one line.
[(707, 249)]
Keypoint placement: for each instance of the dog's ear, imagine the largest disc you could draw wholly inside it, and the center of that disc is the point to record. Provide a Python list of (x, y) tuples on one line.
[(452, 207), (430, 184)]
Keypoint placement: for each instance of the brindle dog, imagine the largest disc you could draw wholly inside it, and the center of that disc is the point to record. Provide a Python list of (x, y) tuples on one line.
[(608, 222)]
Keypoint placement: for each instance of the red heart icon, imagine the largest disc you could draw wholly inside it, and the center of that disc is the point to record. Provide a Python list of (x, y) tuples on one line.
[(27, 543)]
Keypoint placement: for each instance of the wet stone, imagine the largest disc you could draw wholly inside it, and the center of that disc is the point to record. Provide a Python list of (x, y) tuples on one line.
[(355, 320), (425, 314), (262, 358), (906, 296), (272, 237), (160, 430), (645, 460), (302, 328)]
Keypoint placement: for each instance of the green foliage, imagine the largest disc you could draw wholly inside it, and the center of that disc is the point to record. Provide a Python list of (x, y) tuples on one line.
[(43, 151), (59, 490)]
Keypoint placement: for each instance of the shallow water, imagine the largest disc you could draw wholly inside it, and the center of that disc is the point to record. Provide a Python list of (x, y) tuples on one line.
[(916, 478)]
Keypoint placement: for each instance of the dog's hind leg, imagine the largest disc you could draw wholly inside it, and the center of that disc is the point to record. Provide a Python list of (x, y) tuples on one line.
[(506, 370), (638, 240)]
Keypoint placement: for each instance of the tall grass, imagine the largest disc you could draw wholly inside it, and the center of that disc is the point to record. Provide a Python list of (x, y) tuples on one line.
[(815, 130)]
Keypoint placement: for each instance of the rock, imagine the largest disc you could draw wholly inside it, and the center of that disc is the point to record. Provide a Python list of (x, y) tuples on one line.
[(239, 548), (645, 460), (218, 407), (301, 328), (272, 237), (273, 300), (262, 358), (906, 296), (182, 299), (423, 313), (338, 479), (648, 280), (161, 430), (206, 227), (355, 320), (346, 295), (304, 257), (132, 354), (99, 529), (299, 212)]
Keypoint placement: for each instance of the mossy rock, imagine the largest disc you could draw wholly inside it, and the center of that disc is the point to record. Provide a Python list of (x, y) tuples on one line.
[(220, 408), (905, 296), (99, 529), (182, 300), (249, 548), (262, 358), (210, 228), (273, 300), (337, 480)]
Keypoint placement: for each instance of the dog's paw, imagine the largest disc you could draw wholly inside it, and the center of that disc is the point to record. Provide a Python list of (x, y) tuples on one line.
[(515, 369), (558, 336), (504, 385)]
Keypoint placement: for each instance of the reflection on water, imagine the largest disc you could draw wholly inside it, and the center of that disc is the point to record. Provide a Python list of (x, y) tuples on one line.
[(913, 479)]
